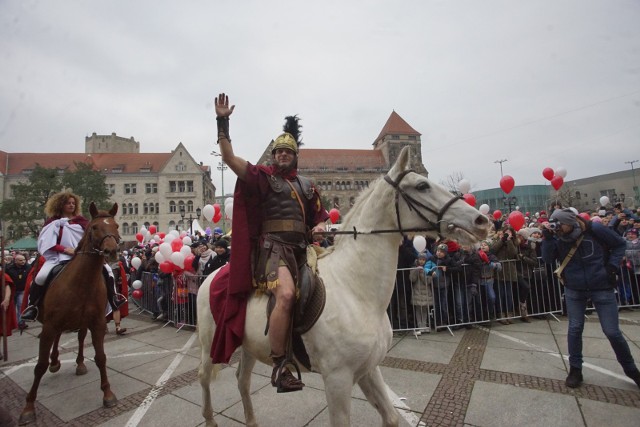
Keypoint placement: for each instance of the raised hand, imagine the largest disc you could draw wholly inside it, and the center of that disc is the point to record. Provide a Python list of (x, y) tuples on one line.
[(222, 106)]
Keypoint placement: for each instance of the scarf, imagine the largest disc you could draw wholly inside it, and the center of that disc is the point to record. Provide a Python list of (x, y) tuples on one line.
[(204, 259)]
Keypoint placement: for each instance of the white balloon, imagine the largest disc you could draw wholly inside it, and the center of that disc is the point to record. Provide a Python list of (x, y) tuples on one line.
[(464, 186), (185, 250), (135, 262), (208, 212), (143, 230), (228, 201), (137, 284), (419, 243), (228, 210), (168, 238), (178, 259), (186, 240), (165, 250), (604, 201), (561, 171), (574, 210), (517, 208), (159, 257), (484, 209), (152, 242), (175, 233), (157, 238)]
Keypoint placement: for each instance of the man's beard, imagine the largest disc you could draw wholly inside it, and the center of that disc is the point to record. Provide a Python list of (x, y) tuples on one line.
[(284, 169)]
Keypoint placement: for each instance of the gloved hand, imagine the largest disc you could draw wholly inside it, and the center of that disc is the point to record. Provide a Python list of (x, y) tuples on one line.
[(612, 275)]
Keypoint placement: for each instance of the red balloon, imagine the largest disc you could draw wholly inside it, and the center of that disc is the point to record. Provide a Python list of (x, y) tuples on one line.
[(162, 235), (216, 208), (557, 181), (497, 214), (217, 217), (188, 261), (507, 183), (548, 173), (137, 293), (166, 266), (152, 229), (516, 220), (139, 237), (334, 215), (469, 198), (176, 245)]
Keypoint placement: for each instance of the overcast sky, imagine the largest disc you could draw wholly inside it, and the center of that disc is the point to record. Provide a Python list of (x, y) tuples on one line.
[(543, 83)]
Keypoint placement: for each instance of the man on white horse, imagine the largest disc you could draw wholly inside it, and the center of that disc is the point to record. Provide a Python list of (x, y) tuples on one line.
[(284, 207)]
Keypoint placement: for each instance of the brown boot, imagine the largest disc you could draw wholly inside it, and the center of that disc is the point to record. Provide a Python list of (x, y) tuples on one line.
[(503, 319), (282, 378), (524, 314), (509, 316)]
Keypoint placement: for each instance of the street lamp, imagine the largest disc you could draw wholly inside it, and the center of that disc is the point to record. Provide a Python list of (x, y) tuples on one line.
[(221, 167), (635, 187), (509, 202), (501, 162), (191, 218)]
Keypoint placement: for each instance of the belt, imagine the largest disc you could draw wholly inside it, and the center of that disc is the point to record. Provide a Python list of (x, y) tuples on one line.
[(283, 225), (488, 277)]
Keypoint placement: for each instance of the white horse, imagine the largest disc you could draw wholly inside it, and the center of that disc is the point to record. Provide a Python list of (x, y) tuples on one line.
[(359, 277)]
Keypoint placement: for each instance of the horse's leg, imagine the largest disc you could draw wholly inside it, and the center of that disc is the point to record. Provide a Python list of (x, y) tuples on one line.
[(54, 366), (47, 337), (375, 389), (337, 388), (243, 374), (109, 399), (206, 372), (81, 368)]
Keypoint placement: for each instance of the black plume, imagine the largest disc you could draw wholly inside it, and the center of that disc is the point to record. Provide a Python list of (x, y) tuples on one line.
[(292, 126)]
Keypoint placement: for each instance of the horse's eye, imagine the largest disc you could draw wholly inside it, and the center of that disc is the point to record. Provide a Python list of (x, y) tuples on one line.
[(423, 186)]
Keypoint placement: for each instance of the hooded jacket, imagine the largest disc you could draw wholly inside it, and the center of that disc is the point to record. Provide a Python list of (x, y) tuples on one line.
[(600, 252)]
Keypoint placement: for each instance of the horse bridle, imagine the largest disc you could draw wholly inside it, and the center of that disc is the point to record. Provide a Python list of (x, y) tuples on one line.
[(413, 205), (96, 248)]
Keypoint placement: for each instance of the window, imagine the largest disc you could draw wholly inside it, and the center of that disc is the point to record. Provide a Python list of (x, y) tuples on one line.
[(134, 227), (151, 188), (172, 186), (181, 207), (181, 186), (190, 186), (125, 228), (190, 206), (181, 167), (157, 210), (172, 225), (145, 208), (172, 207), (111, 189), (130, 208), (135, 209), (130, 188)]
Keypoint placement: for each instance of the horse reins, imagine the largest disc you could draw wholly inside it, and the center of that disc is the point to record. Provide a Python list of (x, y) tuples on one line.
[(96, 249), (413, 204)]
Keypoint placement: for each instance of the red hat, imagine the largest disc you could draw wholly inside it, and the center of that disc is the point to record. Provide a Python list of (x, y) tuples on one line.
[(543, 212)]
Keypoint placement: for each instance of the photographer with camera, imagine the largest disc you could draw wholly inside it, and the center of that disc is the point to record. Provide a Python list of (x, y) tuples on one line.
[(589, 255)]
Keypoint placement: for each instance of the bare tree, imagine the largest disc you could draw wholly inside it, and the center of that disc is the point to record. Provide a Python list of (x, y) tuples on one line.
[(451, 182)]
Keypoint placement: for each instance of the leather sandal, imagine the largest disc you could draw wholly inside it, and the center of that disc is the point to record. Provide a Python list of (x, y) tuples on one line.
[(120, 331), (286, 382)]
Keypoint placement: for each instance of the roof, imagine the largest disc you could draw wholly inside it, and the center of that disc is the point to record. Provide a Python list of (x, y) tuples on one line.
[(315, 158), (396, 125), (127, 162)]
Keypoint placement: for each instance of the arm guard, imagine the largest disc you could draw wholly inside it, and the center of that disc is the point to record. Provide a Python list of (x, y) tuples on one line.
[(223, 128)]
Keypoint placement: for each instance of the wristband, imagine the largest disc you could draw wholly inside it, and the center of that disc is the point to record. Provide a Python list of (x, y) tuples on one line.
[(223, 128)]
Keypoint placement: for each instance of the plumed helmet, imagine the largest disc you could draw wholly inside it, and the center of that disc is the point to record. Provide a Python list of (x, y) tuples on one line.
[(290, 139)]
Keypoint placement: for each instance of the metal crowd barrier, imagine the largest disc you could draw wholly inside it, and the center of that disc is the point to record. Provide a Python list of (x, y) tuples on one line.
[(172, 299)]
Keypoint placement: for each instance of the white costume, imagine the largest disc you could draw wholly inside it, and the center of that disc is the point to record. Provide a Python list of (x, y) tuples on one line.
[(48, 238)]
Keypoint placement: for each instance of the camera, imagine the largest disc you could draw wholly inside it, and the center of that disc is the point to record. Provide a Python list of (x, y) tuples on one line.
[(553, 226)]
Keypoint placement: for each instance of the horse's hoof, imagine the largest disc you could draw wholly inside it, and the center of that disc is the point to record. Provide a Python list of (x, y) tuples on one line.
[(54, 368), (26, 418), (81, 370), (110, 402)]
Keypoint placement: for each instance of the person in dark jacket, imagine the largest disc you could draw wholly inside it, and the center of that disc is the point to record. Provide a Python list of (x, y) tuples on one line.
[(221, 248), (589, 274)]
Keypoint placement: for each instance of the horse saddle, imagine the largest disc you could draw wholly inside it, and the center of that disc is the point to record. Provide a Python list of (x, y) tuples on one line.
[(57, 269), (309, 306)]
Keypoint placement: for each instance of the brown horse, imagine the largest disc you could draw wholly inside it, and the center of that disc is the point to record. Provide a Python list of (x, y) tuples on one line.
[(77, 299)]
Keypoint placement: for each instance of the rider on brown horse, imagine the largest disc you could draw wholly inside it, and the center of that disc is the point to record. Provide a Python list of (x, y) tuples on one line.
[(57, 242)]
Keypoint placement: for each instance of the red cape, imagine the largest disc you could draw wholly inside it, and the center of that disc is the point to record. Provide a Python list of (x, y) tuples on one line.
[(11, 317), (124, 290)]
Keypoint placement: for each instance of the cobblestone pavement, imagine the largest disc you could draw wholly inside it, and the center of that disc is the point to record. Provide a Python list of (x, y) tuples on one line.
[(503, 375)]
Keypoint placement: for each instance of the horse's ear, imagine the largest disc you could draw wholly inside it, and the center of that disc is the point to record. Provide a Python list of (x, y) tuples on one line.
[(402, 163), (114, 210), (93, 210)]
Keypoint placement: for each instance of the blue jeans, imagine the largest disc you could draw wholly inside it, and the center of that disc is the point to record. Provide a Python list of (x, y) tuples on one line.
[(607, 308)]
